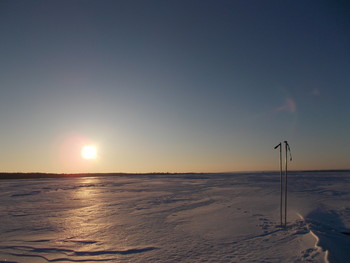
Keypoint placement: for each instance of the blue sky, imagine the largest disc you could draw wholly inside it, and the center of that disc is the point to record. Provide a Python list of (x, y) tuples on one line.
[(173, 85)]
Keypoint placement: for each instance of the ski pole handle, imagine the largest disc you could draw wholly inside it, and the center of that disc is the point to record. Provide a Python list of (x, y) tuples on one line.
[(277, 145)]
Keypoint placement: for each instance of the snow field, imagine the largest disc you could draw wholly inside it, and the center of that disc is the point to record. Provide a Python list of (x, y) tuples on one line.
[(175, 218)]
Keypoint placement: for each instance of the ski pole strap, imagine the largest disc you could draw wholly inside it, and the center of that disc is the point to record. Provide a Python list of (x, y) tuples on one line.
[(290, 152)]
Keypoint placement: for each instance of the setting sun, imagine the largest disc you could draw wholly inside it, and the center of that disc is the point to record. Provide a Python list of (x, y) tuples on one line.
[(89, 152)]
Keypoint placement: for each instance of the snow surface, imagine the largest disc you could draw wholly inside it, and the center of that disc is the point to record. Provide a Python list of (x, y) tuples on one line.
[(176, 218)]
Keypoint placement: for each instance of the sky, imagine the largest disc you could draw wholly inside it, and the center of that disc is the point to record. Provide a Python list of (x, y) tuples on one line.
[(173, 86)]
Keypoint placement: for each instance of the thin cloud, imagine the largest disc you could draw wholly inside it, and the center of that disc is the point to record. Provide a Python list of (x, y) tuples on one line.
[(289, 106)]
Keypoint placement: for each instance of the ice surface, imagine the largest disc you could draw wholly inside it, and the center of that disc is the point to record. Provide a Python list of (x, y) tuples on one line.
[(175, 218)]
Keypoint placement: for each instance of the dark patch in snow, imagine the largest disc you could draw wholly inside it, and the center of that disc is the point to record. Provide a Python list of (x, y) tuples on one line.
[(35, 252), (40, 241), (26, 194), (85, 242), (111, 252)]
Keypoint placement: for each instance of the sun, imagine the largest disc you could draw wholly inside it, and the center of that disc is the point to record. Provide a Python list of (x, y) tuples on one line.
[(89, 152)]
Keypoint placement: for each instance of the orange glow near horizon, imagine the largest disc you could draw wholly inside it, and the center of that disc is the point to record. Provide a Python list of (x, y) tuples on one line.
[(76, 153)]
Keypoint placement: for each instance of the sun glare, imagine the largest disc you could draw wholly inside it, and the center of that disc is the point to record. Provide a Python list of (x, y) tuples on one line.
[(89, 152)]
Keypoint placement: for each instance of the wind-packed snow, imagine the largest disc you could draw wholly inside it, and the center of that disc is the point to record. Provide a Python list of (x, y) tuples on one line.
[(176, 218)]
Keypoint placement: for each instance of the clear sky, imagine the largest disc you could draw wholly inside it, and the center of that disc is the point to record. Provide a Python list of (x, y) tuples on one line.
[(173, 86)]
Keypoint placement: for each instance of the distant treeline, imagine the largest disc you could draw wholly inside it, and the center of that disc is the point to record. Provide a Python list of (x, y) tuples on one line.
[(4, 176)]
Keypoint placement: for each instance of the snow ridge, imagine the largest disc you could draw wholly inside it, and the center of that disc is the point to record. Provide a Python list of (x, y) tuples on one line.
[(318, 248)]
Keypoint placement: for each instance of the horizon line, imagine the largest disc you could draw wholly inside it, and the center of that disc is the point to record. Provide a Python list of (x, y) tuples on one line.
[(82, 174)]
